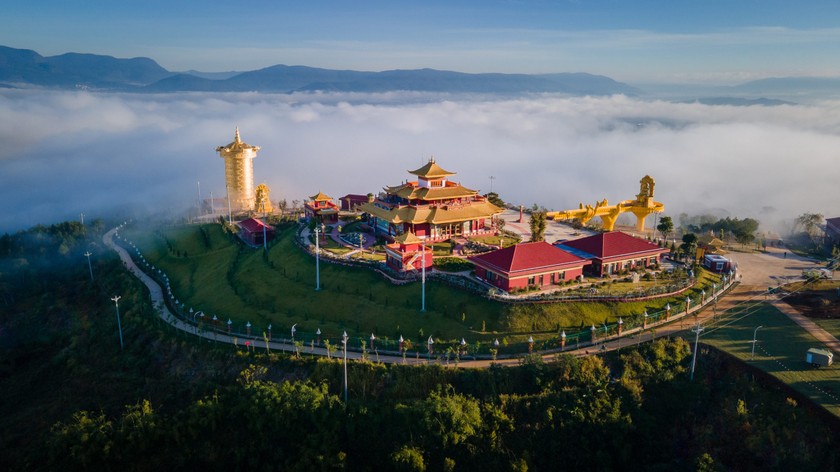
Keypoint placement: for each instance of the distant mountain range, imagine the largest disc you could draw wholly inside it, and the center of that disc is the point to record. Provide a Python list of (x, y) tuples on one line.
[(27, 68)]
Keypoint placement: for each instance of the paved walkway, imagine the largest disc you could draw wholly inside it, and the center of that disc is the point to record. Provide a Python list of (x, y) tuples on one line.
[(805, 323)]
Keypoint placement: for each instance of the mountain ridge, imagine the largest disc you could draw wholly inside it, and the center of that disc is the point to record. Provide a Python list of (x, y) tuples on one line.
[(24, 67)]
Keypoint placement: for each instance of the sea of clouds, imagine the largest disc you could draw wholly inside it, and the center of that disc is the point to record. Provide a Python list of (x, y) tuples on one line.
[(66, 153)]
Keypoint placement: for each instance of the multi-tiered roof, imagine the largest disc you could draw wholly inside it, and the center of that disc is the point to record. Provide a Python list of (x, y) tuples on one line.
[(432, 198)]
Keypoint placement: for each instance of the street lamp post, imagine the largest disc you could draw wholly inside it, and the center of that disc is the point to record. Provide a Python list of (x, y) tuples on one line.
[(372, 338), (344, 340), (317, 261), (318, 334), (269, 331), (530, 344), (293, 332), (429, 345), (423, 278), (697, 330), (90, 267), (755, 333), (563, 340), (402, 347), (116, 300)]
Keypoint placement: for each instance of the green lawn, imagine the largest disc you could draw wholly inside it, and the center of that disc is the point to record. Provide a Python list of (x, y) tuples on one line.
[(780, 351), (830, 325), (280, 289), (210, 272), (492, 240)]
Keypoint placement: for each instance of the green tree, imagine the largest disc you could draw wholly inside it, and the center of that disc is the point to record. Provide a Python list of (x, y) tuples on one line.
[(689, 245), (537, 224), (493, 198), (810, 225), (665, 226), (408, 459)]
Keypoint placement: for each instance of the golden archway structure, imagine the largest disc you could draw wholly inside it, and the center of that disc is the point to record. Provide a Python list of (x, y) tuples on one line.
[(642, 206), (262, 199)]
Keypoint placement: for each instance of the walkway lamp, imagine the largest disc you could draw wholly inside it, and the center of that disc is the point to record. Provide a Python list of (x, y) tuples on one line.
[(645, 322), (229, 323), (317, 262), (248, 328), (463, 346), (563, 340), (423, 277), (620, 325), (372, 338), (90, 267), (344, 340), (293, 330), (116, 300), (755, 333), (429, 344), (697, 330), (530, 344), (687, 304), (318, 334), (667, 311), (592, 333), (269, 331)]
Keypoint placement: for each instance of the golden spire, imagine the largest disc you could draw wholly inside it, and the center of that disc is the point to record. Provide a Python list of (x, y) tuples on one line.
[(237, 139)]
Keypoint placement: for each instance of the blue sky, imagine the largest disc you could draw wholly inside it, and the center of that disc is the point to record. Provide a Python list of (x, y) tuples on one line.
[(709, 41)]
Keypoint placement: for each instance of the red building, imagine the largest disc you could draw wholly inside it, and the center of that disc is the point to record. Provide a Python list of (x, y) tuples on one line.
[(252, 231), (528, 264), (406, 253), (614, 252), (432, 207), (322, 208), (351, 201)]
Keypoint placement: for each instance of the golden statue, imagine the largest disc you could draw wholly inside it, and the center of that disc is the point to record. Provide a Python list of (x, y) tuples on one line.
[(263, 200), (642, 206)]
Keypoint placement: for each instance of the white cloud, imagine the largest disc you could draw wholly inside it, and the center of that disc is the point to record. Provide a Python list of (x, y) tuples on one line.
[(67, 153)]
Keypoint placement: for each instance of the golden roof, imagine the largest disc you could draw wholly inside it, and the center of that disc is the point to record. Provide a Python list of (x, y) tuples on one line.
[(410, 192), (408, 238), (431, 171), (321, 197), (237, 145), (435, 215)]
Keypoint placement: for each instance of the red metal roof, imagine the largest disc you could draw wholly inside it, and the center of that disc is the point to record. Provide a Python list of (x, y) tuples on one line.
[(252, 225), (528, 257), (614, 244)]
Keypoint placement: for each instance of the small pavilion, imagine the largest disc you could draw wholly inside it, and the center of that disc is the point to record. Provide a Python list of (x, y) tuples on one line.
[(321, 208), (406, 253), (255, 232)]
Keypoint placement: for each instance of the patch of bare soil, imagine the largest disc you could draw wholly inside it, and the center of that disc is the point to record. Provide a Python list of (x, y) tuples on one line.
[(816, 303)]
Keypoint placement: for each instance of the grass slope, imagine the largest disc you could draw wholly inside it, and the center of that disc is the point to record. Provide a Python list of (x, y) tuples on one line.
[(780, 351), (211, 272)]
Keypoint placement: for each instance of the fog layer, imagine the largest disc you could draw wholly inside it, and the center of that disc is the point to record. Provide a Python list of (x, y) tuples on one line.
[(66, 153)]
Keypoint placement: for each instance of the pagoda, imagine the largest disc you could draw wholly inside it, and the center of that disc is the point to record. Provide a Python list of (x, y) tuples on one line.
[(432, 207), (239, 173), (321, 208), (407, 253)]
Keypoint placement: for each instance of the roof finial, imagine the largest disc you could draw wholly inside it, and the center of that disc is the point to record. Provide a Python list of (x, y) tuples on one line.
[(237, 138), (432, 159)]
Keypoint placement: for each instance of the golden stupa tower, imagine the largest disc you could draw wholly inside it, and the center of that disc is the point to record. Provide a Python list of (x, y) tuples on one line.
[(239, 172)]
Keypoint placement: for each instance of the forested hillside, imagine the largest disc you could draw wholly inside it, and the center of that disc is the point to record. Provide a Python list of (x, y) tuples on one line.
[(71, 399)]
